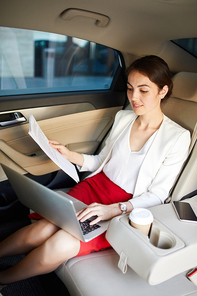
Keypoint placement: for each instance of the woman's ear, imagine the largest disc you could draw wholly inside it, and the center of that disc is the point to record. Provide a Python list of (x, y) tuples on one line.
[(163, 92)]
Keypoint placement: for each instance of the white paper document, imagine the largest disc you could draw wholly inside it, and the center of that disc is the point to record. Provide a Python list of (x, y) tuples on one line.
[(39, 137)]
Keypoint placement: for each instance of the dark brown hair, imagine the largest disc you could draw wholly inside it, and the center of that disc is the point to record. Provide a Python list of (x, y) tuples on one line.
[(156, 69)]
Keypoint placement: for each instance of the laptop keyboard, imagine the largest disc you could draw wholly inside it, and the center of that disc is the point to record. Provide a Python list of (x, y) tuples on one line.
[(87, 228)]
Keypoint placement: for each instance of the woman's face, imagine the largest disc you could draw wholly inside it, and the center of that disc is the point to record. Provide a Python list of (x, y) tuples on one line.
[(144, 95)]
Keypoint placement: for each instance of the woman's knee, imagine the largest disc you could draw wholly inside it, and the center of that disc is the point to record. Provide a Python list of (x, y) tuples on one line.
[(60, 247), (40, 231)]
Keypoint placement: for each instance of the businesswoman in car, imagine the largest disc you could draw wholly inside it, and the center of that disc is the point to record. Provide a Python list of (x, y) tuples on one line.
[(136, 168)]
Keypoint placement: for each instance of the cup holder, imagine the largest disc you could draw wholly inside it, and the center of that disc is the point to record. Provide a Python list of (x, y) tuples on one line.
[(161, 239)]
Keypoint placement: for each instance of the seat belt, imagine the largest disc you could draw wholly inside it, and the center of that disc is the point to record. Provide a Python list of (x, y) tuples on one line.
[(189, 195)]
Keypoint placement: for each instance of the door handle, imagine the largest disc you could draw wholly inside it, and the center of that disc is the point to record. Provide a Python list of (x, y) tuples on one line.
[(7, 119)]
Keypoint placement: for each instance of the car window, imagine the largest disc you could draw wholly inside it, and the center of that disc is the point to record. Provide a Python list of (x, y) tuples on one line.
[(40, 62), (189, 44)]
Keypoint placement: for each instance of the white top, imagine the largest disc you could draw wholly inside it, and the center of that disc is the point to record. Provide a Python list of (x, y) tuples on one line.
[(124, 164)]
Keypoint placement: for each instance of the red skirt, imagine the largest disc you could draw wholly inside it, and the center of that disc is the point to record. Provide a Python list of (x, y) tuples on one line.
[(100, 189)]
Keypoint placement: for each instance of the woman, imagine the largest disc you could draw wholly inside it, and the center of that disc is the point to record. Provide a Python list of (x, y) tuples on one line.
[(137, 167)]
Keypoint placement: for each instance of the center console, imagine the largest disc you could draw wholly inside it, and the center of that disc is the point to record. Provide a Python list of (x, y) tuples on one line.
[(169, 249)]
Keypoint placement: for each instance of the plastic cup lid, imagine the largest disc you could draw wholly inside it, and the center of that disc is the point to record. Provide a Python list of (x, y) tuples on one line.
[(141, 216)]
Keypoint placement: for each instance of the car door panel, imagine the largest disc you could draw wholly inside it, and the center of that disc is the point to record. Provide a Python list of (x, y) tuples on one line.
[(81, 132)]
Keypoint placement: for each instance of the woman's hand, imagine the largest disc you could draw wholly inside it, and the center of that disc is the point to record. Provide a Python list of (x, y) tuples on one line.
[(60, 148), (102, 212), (74, 157)]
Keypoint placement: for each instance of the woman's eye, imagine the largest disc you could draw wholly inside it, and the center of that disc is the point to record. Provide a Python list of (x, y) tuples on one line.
[(129, 89), (144, 91)]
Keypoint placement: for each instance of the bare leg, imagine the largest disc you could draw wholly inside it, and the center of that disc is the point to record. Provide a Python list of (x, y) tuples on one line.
[(27, 238), (43, 259)]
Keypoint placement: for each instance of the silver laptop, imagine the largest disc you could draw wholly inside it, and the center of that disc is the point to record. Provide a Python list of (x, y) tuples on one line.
[(55, 206)]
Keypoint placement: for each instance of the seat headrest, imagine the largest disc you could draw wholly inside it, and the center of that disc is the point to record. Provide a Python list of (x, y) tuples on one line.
[(185, 86)]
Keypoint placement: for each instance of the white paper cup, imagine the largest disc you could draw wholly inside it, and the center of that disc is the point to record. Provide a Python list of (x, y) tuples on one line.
[(141, 219)]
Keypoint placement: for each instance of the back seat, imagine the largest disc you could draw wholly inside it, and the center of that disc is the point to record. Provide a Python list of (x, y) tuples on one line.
[(182, 108), (98, 273)]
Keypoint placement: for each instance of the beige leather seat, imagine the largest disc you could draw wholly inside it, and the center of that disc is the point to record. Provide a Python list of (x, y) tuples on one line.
[(98, 273), (182, 108)]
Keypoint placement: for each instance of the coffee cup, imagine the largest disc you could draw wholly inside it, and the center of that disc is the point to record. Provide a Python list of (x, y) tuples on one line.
[(141, 219)]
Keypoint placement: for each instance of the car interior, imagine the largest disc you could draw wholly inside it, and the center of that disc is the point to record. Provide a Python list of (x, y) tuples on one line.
[(64, 62)]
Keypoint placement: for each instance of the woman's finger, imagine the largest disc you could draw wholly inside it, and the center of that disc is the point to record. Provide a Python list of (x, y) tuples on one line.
[(89, 212), (96, 220), (80, 211), (86, 214), (53, 142), (86, 208)]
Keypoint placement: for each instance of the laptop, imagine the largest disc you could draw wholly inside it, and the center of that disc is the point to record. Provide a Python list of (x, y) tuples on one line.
[(56, 206)]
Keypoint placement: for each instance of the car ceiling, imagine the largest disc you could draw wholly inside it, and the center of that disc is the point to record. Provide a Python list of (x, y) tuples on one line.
[(135, 27)]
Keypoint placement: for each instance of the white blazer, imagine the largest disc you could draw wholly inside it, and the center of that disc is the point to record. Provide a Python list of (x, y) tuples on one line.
[(161, 165)]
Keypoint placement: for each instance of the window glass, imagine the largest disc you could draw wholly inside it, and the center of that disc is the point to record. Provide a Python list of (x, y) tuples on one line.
[(40, 62), (189, 44)]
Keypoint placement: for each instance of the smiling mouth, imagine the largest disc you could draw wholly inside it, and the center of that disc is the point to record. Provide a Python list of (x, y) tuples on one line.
[(135, 106)]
